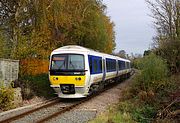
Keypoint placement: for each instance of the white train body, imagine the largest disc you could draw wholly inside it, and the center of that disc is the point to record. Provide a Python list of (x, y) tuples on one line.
[(75, 71)]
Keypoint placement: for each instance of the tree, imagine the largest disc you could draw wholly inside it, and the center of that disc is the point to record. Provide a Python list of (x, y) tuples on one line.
[(166, 14), (146, 52), (122, 54), (36, 27)]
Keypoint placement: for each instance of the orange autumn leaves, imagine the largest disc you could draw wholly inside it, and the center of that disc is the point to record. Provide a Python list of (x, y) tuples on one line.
[(34, 66)]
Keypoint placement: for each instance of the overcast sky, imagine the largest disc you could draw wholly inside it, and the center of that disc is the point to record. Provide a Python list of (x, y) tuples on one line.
[(133, 26)]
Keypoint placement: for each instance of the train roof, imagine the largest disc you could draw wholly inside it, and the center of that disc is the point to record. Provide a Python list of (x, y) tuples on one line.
[(83, 49), (70, 48)]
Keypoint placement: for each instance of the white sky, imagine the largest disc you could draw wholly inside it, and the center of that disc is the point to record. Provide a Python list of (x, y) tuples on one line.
[(133, 26)]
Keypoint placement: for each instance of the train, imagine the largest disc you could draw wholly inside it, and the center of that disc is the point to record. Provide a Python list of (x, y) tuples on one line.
[(77, 72)]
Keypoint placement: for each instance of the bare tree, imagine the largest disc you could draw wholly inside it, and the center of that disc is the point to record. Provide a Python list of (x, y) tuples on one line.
[(166, 17), (166, 14)]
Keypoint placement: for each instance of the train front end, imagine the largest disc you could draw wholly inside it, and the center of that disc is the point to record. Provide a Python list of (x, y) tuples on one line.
[(68, 74)]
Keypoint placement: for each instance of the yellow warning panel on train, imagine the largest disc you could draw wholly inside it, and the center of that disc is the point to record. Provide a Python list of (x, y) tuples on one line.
[(76, 80)]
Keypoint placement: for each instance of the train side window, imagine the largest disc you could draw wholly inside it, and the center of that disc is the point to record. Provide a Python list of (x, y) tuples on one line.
[(119, 65), (90, 63), (127, 65), (95, 65), (111, 65), (100, 65), (107, 65), (124, 65)]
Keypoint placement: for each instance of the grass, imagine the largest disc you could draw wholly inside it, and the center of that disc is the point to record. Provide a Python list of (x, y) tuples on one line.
[(113, 116)]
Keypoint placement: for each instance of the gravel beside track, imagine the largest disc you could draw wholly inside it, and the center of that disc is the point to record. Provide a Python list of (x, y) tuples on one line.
[(34, 117), (107, 98), (75, 116)]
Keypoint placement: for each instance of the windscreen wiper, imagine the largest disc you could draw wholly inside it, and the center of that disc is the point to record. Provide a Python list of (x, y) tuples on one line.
[(70, 62)]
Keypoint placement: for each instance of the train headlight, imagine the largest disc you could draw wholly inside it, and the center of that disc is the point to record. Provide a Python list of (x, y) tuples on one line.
[(55, 78), (78, 78)]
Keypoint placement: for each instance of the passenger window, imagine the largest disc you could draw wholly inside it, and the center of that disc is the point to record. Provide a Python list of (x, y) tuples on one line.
[(95, 66), (100, 65), (90, 65)]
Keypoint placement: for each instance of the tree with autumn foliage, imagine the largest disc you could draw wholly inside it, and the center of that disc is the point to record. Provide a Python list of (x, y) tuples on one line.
[(35, 27)]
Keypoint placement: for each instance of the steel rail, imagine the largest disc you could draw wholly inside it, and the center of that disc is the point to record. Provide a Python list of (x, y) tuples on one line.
[(45, 105)]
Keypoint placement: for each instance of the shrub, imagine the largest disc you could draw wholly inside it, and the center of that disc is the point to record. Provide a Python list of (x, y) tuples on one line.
[(36, 86), (6, 98), (153, 73), (143, 114)]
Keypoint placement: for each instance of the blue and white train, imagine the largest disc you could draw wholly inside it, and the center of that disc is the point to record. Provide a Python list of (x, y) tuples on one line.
[(76, 72)]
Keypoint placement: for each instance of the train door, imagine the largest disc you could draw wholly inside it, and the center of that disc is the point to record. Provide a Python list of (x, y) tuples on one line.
[(117, 68), (104, 70)]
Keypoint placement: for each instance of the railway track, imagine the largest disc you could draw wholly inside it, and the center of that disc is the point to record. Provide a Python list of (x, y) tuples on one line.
[(62, 108), (43, 105), (68, 108), (76, 104)]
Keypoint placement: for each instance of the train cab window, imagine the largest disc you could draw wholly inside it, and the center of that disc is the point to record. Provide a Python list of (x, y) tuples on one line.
[(58, 62), (75, 62), (95, 64), (67, 62)]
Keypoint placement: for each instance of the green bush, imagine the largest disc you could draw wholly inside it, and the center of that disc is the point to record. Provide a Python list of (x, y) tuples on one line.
[(6, 98), (153, 73), (143, 114), (36, 86)]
